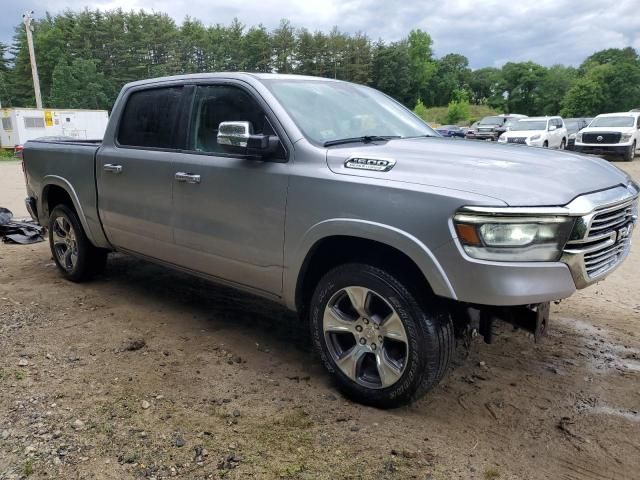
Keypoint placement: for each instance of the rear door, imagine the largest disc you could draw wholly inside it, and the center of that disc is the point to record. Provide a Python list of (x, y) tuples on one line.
[(135, 172)]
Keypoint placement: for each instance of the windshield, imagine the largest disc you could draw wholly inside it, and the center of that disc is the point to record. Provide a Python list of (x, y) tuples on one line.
[(612, 122), (572, 125), (492, 121), (529, 125), (327, 110)]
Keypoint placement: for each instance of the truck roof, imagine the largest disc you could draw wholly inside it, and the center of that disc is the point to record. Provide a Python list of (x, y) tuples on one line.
[(230, 75), (540, 118)]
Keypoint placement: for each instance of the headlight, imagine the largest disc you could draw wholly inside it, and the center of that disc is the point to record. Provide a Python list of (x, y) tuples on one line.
[(625, 137), (572, 136), (579, 137), (513, 238), (535, 137)]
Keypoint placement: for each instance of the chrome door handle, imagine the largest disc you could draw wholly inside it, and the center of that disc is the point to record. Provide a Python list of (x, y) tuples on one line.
[(187, 177), (110, 167)]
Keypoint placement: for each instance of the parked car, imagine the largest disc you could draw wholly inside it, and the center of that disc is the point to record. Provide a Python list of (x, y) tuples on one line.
[(490, 128), (574, 125), (470, 132), (611, 134), (450, 131), (547, 132), (386, 238)]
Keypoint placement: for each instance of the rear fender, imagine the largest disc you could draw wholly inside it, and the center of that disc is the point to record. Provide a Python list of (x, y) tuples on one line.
[(92, 227)]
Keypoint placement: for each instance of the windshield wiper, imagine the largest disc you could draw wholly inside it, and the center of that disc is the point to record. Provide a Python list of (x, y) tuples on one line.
[(363, 139)]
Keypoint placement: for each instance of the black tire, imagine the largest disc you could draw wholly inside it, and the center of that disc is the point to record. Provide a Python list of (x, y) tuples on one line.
[(428, 327), (89, 259), (563, 144), (545, 144), (630, 154)]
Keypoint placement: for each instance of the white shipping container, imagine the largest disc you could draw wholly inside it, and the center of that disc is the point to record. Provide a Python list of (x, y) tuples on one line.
[(22, 124)]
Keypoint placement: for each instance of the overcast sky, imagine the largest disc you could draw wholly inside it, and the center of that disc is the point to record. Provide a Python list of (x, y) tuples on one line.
[(488, 32)]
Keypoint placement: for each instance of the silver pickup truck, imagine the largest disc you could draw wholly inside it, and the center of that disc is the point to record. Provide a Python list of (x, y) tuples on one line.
[(336, 201)]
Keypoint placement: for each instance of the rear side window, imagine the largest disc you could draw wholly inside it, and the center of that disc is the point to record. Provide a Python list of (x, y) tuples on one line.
[(149, 117)]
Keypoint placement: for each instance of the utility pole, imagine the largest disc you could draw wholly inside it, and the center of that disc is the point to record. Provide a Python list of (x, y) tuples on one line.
[(26, 19)]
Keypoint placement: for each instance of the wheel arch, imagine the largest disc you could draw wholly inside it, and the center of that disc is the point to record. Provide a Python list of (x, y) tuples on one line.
[(338, 241), (57, 190)]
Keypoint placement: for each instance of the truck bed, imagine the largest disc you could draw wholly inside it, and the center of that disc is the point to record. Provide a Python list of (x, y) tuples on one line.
[(68, 163)]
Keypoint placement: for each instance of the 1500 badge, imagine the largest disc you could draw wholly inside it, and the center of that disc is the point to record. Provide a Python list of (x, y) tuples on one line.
[(369, 163)]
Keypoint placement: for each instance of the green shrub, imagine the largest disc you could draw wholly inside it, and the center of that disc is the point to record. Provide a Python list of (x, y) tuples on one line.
[(458, 111)]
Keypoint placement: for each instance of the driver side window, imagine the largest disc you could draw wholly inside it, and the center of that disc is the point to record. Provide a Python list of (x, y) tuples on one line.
[(214, 104)]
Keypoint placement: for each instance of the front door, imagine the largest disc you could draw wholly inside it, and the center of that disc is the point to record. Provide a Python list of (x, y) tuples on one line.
[(135, 176), (229, 209)]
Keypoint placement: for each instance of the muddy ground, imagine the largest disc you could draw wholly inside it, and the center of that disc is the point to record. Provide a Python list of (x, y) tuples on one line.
[(146, 372)]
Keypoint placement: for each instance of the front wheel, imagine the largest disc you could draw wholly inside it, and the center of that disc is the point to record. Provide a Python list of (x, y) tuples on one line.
[(545, 144), (563, 144), (630, 153), (382, 347), (73, 253)]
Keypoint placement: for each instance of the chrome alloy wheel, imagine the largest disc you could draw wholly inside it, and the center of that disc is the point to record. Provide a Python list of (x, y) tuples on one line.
[(365, 337), (65, 244)]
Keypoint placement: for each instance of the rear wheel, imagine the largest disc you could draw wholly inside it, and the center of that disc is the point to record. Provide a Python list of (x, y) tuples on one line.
[(630, 153), (381, 346), (73, 253)]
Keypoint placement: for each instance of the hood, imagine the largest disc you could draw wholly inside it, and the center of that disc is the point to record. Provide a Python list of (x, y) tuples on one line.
[(608, 129), (523, 133), (516, 175)]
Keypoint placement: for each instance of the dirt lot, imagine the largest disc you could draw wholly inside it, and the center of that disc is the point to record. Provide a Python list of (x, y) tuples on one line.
[(149, 373)]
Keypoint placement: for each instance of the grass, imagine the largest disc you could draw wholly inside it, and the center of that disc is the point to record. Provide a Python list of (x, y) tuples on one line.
[(6, 155), (491, 473), (438, 115), (28, 468)]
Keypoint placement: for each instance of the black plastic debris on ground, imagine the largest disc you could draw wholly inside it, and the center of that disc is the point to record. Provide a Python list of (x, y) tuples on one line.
[(22, 231)]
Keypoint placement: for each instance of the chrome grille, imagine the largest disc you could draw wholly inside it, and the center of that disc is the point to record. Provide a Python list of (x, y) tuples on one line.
[(602, 260), (611, 219), (601, 240)]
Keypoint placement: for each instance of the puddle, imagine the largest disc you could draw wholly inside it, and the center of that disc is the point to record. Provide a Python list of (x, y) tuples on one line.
[(616, 412), (632, 365), (600, 350)]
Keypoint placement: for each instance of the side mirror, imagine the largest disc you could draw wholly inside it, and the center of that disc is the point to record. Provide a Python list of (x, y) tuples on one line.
[(552, 128), (234, 134), (238, 137)]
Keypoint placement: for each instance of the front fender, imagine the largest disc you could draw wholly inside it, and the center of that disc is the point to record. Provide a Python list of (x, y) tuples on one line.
[(411, 246)]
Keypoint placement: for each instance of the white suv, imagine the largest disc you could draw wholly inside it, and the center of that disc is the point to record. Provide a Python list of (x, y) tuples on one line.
[(547, 132), (611, 134)]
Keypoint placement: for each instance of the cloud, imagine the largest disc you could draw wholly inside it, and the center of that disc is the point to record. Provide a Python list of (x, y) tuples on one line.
[(488, 32)]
